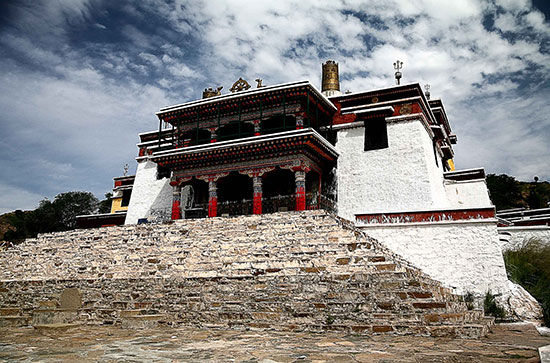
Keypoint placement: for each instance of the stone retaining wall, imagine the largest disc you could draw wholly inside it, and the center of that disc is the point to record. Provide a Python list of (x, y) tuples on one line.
[(298, 271)]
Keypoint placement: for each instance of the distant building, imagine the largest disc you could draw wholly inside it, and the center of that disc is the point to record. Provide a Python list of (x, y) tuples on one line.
[(119, 205)]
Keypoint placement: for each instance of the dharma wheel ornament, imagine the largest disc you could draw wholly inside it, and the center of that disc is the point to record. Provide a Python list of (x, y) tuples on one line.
[(240, 85)]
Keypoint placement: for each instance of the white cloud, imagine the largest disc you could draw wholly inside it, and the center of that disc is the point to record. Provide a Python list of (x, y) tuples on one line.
[(81, 108)]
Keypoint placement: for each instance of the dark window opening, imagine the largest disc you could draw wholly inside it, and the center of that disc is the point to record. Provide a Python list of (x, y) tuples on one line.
[(278, 123), (126, 197), (376, 134), (278, 182), (435, 152), (195, 137), (235, 130), (234, 187), (162, 172)]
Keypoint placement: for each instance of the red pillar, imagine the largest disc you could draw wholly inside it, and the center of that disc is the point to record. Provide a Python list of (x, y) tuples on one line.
[(176, 201), (213, 199), (257, 198), (300, 176)]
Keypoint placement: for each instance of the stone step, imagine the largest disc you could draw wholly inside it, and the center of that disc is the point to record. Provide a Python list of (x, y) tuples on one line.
[(10, 311), (53, 316), (54, 328), (142, 321), (13, 321)]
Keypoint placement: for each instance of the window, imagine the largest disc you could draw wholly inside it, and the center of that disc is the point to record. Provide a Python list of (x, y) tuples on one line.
[(435, 152), (162, 172), (376, 134), (126, 197)]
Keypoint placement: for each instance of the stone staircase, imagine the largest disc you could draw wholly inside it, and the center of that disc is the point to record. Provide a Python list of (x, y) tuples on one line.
[(303, 271)]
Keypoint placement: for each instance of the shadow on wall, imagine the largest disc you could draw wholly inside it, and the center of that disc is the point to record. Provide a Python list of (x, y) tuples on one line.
[(161, 208)]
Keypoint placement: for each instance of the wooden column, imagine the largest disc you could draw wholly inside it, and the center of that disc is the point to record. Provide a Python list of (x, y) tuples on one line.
[(300, 176), (212, 198), (176, 200), (299, 122), (257, 198)]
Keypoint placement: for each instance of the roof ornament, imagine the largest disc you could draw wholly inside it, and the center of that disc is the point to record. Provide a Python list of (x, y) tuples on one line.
[(427, 88), (397, 66), (126, 167), (259, 80), (210, 92), (240, 85)]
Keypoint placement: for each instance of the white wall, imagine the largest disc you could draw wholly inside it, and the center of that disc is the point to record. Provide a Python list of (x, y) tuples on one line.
[(515, 237), (151, 198), (465, 255), (467, 194), (401, 177)]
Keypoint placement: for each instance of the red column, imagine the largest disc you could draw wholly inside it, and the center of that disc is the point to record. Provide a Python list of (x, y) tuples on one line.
[(213, 199), (176, 201), (257, 199), (300, 176)]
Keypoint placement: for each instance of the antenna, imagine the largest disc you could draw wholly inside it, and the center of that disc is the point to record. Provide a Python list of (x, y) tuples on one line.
[(397, 66)]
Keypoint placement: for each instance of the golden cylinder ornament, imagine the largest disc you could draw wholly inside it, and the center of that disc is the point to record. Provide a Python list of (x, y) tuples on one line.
[(331, 78)]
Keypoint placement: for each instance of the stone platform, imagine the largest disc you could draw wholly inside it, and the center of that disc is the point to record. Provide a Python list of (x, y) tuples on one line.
[(505, 343), (294, 271)]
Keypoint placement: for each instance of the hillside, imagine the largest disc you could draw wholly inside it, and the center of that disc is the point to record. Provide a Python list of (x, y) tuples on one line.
[(506, 192)]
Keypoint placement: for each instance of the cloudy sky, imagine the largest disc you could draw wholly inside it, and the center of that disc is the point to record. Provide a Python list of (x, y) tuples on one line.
[(79, 79)]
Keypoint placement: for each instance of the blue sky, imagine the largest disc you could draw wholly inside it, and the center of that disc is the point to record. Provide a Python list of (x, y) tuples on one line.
[(79, 79)]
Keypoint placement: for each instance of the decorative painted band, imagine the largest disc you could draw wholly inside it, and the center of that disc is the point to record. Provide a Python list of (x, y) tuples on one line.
[(426, 216)]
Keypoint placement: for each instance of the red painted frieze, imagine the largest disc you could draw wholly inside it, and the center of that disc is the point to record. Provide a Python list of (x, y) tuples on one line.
[(118, 183), (338, 118), (426, 216)]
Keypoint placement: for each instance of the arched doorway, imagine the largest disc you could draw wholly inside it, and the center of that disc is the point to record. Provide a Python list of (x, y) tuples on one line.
[(278, 191), (235, 194)]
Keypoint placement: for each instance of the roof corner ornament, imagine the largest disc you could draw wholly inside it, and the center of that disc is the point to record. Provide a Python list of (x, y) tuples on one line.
[(210, 92), (427, 92), (126, 167), (259, 81), (240, 85), (398, 65)]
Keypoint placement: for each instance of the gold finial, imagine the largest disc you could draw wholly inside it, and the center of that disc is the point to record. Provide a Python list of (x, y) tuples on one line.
[(259, 80), (209, 92), (331, 78), (239, 85)]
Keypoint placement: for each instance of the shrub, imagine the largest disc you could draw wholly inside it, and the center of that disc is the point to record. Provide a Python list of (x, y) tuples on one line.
[(529, 266), (491, 307)]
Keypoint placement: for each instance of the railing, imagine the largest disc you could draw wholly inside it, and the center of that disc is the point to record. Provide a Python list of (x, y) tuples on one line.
[(280, 203)]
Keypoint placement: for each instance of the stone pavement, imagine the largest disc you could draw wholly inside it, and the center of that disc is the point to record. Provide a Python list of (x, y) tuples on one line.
[(510, 343)]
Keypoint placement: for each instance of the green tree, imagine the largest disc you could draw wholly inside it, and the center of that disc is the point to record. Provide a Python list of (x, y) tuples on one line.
[(505, 191), (105, 204), (66, 206)]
